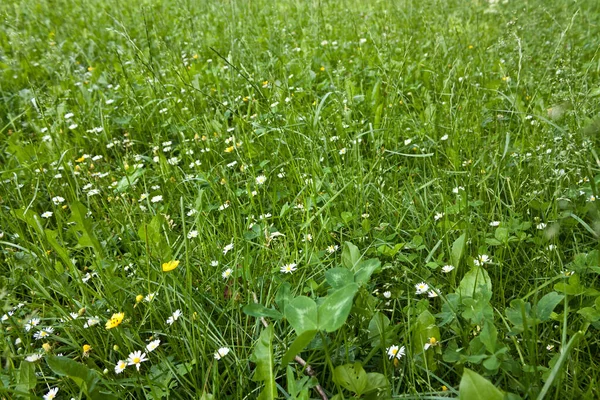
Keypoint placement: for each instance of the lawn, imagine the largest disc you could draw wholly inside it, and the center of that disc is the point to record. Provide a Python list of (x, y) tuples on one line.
[(300, 199)]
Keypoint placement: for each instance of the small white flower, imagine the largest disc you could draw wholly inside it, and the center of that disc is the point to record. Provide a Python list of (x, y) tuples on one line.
[(120, 367), (261, 179), (332, 248), (91, 322), (136, 358), (421, 288), (495, 223), (47, 214), (192, 234), (156, 199), (396, 351), (43, 333), (541, 226), (443, 138), (149, 297), (51, 394), (447, 268), (214, 263), (58, 200), (33, 357), (343, 151), (407, 142), (432, 293), (69, 115), (73, 126), (227, 273), (228, 248), (222, 352), (387, 294), (32, 322), (150, 347), (438, 216), (174, 317), (288, 268), (482, 259)]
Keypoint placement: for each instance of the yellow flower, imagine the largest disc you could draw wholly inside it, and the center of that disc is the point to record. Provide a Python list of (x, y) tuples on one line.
[(229, 149), (170, 266), (80, 159), (115, 320), (139, 298), (47, 347), (86, 350)]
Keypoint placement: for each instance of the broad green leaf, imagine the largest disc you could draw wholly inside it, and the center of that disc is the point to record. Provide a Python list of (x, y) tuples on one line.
[(129, 180), (519, 314), (425, 329), (379, 329), (501, 234), (476, 280), (301, 313), (151, 234), (258, 310), (60, 250), (339, 277), (589, 313), (30, 218), (84, 377), (350, 255), (489, 336), (377, 382), (334, 311), (365, 269), (298, 345), (474, 386), (546, 305), (457, 249), (351, 377), (85, 227), (262, 356), (26, 379), (283, 296)]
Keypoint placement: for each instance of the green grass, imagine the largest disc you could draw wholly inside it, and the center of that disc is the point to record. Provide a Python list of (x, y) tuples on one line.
[(398, 131)]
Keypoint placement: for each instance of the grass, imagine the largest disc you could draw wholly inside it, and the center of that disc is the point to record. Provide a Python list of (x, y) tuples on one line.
[(338, 136)]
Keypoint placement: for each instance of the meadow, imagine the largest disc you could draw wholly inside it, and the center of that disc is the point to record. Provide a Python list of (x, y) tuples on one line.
[(300, 199)]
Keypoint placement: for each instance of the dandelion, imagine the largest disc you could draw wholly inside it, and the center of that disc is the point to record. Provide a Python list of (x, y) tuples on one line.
[(136, 358), (170, 266), (47, 347), (447, 268), (86, 350), (153, 345), (227, 273), (47, 214), (156, 199), (288, 268), (174, 317), (222, 352), (421, 288), (482, 259), (261, 179), (395, 352), (115, 320), (227, 248), (120, 367), (33, 357), (51, 394), (43, 333)]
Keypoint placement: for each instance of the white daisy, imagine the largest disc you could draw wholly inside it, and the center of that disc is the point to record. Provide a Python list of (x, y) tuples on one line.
[(136, 358), (222, 352), (396, 351)]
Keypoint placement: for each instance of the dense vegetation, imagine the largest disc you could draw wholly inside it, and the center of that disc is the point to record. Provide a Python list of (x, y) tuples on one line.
[(300, 199)]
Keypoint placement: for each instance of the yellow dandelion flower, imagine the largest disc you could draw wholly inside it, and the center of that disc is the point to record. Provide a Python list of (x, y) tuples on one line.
[(229, 149), (47, 347), (139, 298), (86, 349), (115, 320), (170, 266), (80, 159), (322, 69)]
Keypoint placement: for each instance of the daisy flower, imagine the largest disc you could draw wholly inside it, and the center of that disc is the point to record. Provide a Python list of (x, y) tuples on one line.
[(288, 268), (332, 248), (136, 358), (32, 322), (192, 234), (222, 352), (47, 214), (150, 347), (482, 259), (447, 268), (58, 200), (261, 179), (395, 351), (33, 357), (227, 273), (43, 333), (120, 367), (91, 322), (51, 394), (421, 288)]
